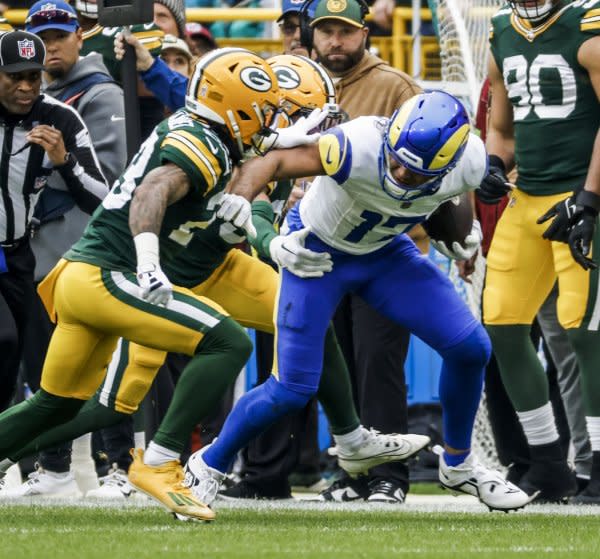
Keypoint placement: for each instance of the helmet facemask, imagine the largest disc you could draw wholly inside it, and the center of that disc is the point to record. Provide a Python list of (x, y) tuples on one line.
[(399, 190), (87, 9), (533, 10)]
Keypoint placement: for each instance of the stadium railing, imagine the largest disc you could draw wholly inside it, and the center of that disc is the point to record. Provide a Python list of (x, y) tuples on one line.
[(395, 49)]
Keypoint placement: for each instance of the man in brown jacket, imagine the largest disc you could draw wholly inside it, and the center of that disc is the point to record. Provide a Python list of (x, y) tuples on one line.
[(374, 347)]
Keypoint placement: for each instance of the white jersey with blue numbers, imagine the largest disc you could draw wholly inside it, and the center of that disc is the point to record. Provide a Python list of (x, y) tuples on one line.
[(348, 208)]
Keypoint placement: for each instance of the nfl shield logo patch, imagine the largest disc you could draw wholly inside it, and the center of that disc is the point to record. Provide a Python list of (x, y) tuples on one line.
[(26, 48)]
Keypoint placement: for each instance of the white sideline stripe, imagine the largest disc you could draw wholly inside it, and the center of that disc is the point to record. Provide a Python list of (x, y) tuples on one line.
[(179, 307), (111, 373)]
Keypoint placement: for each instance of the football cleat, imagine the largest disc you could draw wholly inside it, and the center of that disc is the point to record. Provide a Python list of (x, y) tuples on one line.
[(115, 485), (386, 491), (378, 448), (589, 496), (43, 483), (203, 480), (473, 478), (346, 489), (552, 481), (165, 485)]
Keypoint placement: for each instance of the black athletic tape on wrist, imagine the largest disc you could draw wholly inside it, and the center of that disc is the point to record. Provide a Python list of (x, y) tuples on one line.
[(589, 200), (496, 161)]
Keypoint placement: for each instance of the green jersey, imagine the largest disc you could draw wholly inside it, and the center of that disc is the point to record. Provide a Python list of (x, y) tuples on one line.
[(211, 243), (193, 146), (101, 40), (556, 111)]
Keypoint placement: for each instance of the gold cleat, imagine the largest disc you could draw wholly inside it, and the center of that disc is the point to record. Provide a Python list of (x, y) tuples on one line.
[(165, 485)]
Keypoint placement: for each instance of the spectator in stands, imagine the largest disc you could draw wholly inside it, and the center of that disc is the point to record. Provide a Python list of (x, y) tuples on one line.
[(85, 84), (176, 54), (374, 347), (199, 38), (289, 26)]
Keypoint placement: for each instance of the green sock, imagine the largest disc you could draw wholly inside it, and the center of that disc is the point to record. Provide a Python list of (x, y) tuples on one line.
[(335, 391), (91, 417), (28, 419), (222, 354), (522, 373), (585, 344)]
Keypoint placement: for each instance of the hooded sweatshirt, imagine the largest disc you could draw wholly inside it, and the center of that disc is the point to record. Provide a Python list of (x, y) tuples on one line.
[(101, 108), (373, 87)]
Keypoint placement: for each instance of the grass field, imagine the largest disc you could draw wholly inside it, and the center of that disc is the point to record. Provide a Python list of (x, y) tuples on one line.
[(306, 530)]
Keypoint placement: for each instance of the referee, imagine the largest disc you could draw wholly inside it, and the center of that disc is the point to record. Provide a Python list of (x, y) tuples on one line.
[(38, 135)]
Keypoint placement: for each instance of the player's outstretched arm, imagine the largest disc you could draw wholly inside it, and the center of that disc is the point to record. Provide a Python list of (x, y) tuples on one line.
[(303, 161), (160, 188)]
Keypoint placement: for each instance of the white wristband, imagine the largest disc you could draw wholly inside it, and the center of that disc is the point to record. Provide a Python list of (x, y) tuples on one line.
[(146, 248)]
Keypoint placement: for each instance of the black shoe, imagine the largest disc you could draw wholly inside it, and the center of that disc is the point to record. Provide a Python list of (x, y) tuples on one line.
[(247, 490), (385, 491), (346, 489), (516, 471), (553, 479), (589, 496)]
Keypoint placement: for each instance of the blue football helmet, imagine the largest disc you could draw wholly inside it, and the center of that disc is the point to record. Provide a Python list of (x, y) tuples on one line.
[(427, 135)]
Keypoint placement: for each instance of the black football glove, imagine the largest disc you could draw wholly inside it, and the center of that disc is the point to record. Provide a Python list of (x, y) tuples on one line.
[(563, 214), (585, 218), (494, 185)]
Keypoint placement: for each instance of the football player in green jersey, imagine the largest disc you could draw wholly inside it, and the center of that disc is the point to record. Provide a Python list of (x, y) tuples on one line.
[(110, 284), (246, 288), (544, 120)]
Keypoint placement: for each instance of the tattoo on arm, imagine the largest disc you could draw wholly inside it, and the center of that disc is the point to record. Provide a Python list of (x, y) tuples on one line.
[(160, 188)]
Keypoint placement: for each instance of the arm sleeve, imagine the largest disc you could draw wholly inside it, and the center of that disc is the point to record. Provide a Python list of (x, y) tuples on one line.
[(263, 218), (168, 86), (81, 172)]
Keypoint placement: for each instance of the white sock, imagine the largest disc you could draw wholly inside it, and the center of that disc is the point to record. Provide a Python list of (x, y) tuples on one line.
[(157, 455), (539, 425), (4, 465), (350, 441), (58, 475), (593, 429)]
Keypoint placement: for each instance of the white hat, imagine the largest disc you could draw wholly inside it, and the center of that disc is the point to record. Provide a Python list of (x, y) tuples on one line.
[(170, 42)]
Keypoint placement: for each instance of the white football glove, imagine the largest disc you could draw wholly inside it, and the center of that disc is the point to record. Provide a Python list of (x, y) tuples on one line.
[(464, 250), (237, 210), (298, 133), (288, 251), (155, 286)]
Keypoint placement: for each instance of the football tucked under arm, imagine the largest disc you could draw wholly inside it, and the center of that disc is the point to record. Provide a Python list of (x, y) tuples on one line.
[(453, 230)]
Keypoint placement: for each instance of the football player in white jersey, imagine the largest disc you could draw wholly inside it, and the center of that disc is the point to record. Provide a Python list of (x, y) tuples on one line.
[(377, 178)]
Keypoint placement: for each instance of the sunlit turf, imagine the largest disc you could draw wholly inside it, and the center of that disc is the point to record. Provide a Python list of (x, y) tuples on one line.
[(69, 531)]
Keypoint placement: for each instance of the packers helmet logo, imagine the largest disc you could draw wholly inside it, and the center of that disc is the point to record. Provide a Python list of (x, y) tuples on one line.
[(256, 78), (287, 78), (336, 6)]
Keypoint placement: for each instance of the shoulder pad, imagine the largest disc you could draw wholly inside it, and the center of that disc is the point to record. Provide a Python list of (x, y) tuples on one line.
[(336, 154)]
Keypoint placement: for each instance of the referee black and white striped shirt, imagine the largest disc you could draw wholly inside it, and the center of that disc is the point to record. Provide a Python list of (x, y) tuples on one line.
[(24, 167)]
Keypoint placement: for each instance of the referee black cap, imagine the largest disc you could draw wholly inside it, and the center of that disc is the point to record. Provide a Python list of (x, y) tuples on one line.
[(21, 51)]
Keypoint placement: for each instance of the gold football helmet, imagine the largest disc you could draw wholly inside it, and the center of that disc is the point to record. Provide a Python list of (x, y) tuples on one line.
[(236, 88), (304, 85)]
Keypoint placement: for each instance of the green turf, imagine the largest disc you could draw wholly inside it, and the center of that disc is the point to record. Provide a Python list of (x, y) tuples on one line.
[(36, 532)]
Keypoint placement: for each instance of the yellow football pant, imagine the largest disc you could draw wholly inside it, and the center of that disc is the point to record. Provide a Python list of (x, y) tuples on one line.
[(95, 307), (244, 286), (522, 267)]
